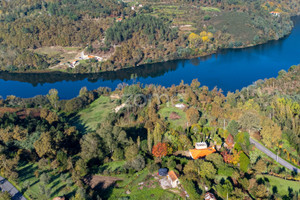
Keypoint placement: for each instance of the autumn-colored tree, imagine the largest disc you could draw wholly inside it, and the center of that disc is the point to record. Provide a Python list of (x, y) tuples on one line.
[(160, 150), (229, 141), (192, 115)]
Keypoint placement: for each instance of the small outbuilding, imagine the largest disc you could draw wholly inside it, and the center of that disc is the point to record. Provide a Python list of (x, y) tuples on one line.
[(163, 172)]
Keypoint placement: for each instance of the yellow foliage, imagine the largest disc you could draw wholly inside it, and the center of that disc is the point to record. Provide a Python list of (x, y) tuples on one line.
[(205, 39), (278, 10), (203, 33)]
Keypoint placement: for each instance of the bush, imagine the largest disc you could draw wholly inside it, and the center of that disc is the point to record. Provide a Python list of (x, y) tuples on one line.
[(206, 17), (225, 171)]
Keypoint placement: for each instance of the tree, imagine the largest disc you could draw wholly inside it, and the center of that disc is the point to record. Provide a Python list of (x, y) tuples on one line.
[(160, 150), (44, 178), (260, 166), (233, 127), (216, 159), (91, 147), (5, 195), (250, 122), (192, 115), (271, 133), (131, 152), (206, 169), (138, 163), (244, 162), (118, 154), (53, 97), (229, 141), (43, 146)]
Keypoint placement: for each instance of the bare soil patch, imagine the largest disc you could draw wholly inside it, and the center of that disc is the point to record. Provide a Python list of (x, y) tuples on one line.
[(101, 182)]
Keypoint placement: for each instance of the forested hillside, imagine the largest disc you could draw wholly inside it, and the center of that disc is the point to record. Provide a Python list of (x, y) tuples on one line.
[(110, 145), (127, 34)]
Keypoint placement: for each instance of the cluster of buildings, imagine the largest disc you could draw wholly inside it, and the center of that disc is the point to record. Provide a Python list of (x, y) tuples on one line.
[(276, 14), (85, 57)]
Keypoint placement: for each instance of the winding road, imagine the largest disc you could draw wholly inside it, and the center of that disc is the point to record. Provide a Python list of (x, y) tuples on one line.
[(7, 186), (274, 157)]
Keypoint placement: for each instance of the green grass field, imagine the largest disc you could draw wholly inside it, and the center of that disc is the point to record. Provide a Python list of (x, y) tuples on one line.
[(281, 184), (165, 114), (211, 9), (96, 112), (150, 190), (56, 186)]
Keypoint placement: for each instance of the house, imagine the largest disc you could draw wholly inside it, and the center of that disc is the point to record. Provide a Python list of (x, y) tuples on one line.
[(173, 179), (180, 105), (201, 145), (119, 19), (200, 153), (277, 14), (132, 7), (209, 196), (140, 5), (90, 57)]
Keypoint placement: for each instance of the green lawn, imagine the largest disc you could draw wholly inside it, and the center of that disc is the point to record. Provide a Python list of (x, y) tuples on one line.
[(211, 9), (150, 190), (56, 186), (96, 112), (165, 112), (281, 184)]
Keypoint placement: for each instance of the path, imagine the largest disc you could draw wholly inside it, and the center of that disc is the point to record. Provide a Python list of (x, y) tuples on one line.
[(7, 186), (273, 156)]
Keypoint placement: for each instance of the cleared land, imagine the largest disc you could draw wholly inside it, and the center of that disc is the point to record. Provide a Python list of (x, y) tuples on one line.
[(165, 114), (96, 112), (281, 185)]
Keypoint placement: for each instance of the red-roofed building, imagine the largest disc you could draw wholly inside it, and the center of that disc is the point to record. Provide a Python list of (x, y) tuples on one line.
[(200, 153), (173, 178)]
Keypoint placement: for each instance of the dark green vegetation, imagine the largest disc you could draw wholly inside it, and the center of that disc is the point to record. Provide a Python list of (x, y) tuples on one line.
[(125, 37), (109, 145)]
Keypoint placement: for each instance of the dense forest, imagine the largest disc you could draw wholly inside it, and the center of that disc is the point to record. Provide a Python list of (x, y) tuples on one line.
[(110, 145), (132, 33)]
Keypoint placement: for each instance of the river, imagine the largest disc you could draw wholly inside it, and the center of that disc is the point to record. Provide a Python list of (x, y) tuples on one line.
[(229, 70)]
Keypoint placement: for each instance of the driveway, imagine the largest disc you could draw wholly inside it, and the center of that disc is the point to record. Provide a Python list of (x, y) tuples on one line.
[(274, 157), (7, 186)]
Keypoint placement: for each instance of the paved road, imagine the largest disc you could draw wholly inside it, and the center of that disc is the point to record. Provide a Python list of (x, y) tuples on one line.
[(273, 156), (7, 186)]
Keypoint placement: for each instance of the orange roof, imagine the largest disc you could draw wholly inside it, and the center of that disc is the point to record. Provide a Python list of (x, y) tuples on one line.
[(173, 175), (199, 153), (91, 56)]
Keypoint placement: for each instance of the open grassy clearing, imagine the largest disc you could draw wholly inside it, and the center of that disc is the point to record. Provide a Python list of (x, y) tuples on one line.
[(165, 112), (230, 21), (96, 112), (57, 186), (150, 189), (63, 54), (281, 184), (211, 9)]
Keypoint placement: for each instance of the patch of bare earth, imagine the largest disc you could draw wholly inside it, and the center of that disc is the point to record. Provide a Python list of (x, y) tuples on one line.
[(101, 182)]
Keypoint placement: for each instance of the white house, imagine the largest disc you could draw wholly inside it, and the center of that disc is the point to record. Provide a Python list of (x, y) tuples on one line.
[(180, 105), (173, 179), (201, 145)]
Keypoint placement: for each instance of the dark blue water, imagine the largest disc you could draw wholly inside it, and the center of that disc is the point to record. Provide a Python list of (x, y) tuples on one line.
[(229, 70)]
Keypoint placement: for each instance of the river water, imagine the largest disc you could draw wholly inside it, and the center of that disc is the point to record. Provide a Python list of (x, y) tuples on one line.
[(229, 70)]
